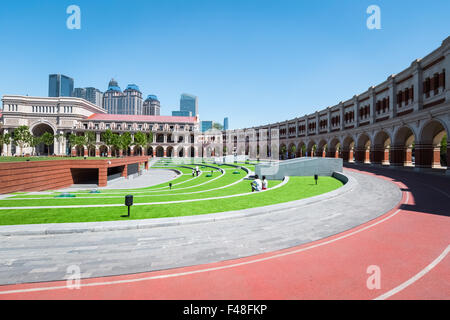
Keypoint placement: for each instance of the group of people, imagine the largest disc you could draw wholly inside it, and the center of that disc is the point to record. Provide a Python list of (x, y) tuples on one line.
[(259, 185)]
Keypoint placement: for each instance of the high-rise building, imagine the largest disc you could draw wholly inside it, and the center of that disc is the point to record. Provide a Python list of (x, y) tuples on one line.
[(128, 102), (189, 103), (112, 98), (226, 124), (132, 100), (60, 86), (95, 96), (90, 94), (188, 106), (152, 106), (79, 93), (206, 125)]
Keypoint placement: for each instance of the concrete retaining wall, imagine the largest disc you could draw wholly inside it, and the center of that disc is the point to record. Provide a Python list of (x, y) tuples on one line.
[(300, 167)]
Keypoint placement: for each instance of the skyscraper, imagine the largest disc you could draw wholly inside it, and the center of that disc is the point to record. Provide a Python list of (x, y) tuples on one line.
[(60, 86), (79, 93), (117, 102), (226, 124), (188, 106), (206, 125), (95, 96), (132, 100), (189, 103), (152, 106), (90, 94), (112, 98)]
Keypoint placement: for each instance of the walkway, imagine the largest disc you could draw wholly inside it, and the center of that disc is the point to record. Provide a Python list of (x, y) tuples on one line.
[(402, 241), (147, 179)]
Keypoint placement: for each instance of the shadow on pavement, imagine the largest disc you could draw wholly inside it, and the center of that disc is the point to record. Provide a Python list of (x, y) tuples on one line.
[(431, 192)]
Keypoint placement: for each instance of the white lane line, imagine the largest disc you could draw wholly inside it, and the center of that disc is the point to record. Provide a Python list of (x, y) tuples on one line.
[(416, 277), (286, 180), (275, 256)]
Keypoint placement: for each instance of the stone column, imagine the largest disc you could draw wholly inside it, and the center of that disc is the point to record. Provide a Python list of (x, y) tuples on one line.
[(367, 156), (360, 155), (351, 157), (418, 86), (341, 108), (373, 103), (397, 156), (436, 157), (346, 155), (392, 97), (377, 155), (386, 157), (328, 120), (356, 110), (424, 155)]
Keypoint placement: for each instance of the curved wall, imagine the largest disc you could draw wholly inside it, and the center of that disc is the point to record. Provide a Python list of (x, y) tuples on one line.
[(398, 122)]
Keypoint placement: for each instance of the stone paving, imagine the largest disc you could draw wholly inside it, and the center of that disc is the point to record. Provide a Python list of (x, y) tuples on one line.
[(46, 257)]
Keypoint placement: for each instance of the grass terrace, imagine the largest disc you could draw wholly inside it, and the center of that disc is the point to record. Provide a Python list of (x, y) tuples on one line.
[(218, 188)]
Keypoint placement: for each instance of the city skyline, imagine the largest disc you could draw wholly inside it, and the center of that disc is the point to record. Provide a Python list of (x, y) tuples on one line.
[(307, 58)]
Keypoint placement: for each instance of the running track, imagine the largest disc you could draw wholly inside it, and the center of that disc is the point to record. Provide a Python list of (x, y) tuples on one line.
[(410, 244)]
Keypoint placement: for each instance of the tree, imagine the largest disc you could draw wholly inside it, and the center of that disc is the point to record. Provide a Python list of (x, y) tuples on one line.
[(108, 137), (294, 150), (217, 126), (140, 140), (48, 139), (77, 141), (90, 140), (22, 137), (125, 141), (116, 142), (34, 142), (6, 141)]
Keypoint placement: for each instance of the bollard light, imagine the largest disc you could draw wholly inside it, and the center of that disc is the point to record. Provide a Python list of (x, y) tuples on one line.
[(129, 203), (316, 177)]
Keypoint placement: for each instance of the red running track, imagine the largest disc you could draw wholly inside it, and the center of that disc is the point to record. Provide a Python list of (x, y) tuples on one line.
[(409, 244)]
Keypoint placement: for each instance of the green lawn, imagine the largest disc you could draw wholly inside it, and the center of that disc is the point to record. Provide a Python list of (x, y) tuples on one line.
[(297, 188)]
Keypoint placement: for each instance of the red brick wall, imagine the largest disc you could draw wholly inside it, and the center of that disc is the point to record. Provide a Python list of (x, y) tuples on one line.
[(54, 174)]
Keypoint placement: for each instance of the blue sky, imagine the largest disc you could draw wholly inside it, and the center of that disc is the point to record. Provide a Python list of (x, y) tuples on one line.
[(255, 61)]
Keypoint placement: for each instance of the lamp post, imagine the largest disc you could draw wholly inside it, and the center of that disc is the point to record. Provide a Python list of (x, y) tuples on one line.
[(129, 203)]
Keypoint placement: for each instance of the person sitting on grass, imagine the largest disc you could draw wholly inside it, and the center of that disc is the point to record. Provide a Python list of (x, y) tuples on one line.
[(265, 184), (256, 184)]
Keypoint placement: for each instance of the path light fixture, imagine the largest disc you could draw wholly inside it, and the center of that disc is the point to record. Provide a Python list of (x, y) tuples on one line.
[(316, 177), (129, 203)]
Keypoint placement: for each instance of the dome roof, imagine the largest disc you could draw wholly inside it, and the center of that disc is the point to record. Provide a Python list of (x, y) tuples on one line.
[(133, 87), (113, 85), (152, 97)]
